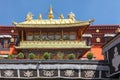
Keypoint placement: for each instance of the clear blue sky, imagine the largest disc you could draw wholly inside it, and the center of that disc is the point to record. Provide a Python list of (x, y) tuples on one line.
[(103, 11)]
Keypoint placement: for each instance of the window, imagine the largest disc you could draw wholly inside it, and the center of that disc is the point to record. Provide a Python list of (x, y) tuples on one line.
[(36, 36), (66, 36), (51, 36), (5, 43), (44, 36), (88, 41), (57, 36), (72, 36), (29, 36)]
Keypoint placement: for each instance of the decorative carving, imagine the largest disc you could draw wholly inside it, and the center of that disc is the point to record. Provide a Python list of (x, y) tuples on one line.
[(28, 73), (69, 73), (8, 73), (29, 17), (61, 16), (48, 73), (71, 16), (89, 74)]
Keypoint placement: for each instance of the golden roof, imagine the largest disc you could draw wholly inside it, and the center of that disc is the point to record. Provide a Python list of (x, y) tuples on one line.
[(53, 23)]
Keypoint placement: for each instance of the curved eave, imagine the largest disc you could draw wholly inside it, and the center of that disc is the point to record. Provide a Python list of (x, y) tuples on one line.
[(53, 25)]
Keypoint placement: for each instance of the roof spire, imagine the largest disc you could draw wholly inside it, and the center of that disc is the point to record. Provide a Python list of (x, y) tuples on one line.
[(40, 16), (50, 14)]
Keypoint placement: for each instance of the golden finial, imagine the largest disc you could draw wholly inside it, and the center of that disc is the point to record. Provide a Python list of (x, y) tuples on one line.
[(61, 16), (40, 16), (71, 16), (50, 14), (29, 17)]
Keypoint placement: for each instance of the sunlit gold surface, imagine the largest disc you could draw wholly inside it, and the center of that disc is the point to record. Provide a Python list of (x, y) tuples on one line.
[(53, 44)]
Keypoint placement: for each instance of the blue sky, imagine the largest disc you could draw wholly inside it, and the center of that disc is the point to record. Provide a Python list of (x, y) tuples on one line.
[(103, 11)]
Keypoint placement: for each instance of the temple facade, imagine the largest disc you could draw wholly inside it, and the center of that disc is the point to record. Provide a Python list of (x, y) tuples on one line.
[(94, 37), (55, 36), (59, 39)]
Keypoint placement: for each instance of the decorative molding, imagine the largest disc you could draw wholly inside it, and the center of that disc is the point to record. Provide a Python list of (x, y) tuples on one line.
[(53, 44), (64, 73), (53, 66)]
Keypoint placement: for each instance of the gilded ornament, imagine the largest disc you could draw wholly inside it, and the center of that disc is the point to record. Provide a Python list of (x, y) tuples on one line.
[(29, 17), (71, 16), (50, 14)]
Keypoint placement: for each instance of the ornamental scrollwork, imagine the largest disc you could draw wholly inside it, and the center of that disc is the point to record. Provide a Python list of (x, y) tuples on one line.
[(28, 73), (89, 74), (8, 73), (69, 73), (48, 73)]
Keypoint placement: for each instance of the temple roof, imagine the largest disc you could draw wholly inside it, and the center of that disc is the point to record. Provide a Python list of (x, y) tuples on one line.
[(51, 22)]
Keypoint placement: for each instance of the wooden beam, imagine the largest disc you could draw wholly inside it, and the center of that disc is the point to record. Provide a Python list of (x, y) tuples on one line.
[(22, 35)]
